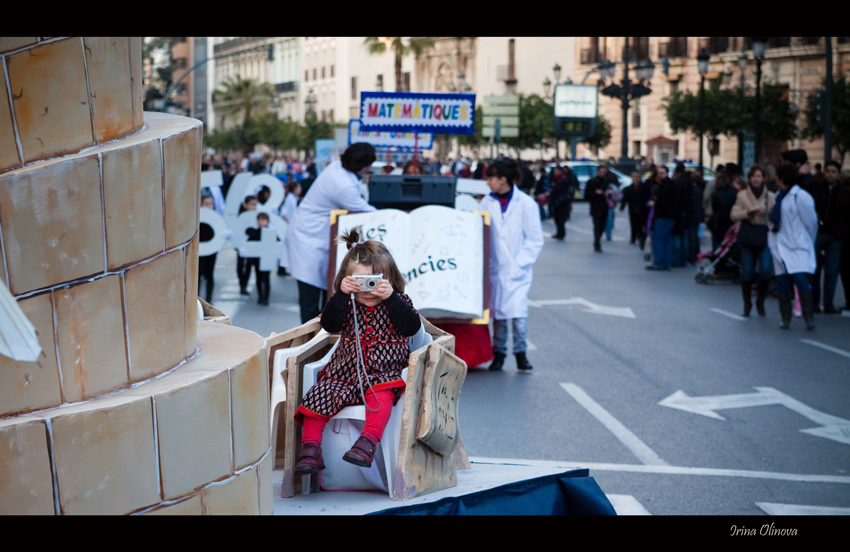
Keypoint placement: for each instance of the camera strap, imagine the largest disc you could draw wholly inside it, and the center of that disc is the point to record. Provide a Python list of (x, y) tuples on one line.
[(360, 363)]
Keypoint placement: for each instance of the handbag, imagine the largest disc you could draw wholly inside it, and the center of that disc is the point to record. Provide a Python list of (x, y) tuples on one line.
[(754, 236)]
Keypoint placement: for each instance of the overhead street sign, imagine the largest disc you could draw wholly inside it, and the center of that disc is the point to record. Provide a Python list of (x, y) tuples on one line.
[(501, 117)]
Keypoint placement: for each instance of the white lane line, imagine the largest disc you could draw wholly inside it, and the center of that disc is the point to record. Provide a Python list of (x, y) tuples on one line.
[(826, 347), (627, 505), (799, 510), (638, 447), (729, 314), (667, 470), (615, 237)]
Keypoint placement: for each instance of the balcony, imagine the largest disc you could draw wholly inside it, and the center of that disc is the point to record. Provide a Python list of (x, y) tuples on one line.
[(591, 56), (286, 87), (809, 41), (715, 44), (674, 47), (778, 41), (236, 43), (639, 50)]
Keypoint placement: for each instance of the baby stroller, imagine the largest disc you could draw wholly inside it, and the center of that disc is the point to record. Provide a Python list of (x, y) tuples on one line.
[(722, 264)]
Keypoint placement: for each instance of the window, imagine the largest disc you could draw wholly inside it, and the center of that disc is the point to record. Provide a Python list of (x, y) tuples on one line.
[(332, 70), (353, 88), (635, 109), (332, 115), (323, 72), (306, 75), (314, 73), (380, 83), (180, 63), (636, 148)]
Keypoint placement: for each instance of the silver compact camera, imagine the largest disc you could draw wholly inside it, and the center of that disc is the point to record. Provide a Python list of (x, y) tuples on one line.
[(368, 282)]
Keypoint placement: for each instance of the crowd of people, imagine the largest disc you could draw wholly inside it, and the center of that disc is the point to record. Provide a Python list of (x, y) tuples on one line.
[(672, 211)]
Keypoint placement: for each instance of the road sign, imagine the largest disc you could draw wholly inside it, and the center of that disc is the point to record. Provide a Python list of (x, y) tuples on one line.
[(505, 120), (501, 117), (507, 132)]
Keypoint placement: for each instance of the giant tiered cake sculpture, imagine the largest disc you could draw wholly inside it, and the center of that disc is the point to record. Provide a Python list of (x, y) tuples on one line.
[(134, 406)]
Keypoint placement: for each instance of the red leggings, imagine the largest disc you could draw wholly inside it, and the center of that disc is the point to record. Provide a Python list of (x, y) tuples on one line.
[(376, 422)]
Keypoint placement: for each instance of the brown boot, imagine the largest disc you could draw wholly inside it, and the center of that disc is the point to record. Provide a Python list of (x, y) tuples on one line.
[(361, 454), (310, 461), (747, 292), (762, 293)]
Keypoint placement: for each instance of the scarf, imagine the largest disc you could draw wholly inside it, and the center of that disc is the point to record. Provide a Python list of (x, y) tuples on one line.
[(776, 212), (503, 199), (757, 191)]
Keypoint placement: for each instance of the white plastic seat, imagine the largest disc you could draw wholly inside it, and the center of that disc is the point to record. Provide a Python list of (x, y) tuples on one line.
[(278, 391), (343, 430)]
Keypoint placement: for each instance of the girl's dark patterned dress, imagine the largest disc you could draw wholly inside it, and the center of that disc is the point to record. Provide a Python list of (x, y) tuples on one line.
[(385, 352)]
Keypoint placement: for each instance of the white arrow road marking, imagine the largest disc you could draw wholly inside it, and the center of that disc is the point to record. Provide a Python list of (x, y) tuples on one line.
[(729, 314), (638, 447), (627, 505), (827, 347), (797, 510), (833, 427), (592, 308)]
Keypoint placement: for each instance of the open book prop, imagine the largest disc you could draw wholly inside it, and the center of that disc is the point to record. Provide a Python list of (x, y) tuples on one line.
[(421, 450), (442, 252)]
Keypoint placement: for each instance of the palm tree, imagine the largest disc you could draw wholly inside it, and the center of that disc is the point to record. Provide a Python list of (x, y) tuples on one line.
[(400, 47), (245, 97)]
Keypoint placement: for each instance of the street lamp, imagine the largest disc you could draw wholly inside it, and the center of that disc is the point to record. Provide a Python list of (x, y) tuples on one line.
[(702, 66), (547, 84), (626, 91), (556, 70), (759, 45)]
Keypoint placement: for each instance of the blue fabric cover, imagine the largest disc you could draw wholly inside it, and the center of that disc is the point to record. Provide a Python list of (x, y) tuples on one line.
[(570, 493)]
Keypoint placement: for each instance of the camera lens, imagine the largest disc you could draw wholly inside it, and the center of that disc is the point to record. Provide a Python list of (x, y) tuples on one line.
[(371, 283)]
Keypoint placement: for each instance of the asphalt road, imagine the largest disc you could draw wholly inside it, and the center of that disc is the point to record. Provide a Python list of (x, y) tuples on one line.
[(610, 342)]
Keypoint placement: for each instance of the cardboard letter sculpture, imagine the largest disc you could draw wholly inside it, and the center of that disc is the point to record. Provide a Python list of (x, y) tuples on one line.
[(134, 406)]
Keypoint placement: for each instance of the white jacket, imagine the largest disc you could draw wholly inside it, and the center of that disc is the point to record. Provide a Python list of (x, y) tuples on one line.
[(516, 238), (306, 247), (793, 247)]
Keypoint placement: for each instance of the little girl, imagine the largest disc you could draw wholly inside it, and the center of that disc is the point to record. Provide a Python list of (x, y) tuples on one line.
[(385, 319)]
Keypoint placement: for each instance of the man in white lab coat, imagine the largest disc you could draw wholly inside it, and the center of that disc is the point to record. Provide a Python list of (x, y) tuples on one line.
[(516, 238), (307, 245)]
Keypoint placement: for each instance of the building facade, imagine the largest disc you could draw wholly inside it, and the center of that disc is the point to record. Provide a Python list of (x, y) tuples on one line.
[(796, 63), (248, 57)]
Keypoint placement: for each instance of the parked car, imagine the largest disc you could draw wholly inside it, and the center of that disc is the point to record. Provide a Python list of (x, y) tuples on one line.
[(707, 174), (585, 170), (378, 166)]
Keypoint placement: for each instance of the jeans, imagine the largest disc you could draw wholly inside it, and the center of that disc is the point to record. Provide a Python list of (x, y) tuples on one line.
[(662, 242), (828, 263), (681, 245), (609, 224), (519, 326), (750, 258), (784, 282)]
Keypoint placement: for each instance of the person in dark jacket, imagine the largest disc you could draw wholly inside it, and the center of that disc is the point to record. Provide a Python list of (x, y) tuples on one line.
[(594, 194), (722, 201), (560, 199), (681, 243), (832, 203), (666, 204), (636, 197)]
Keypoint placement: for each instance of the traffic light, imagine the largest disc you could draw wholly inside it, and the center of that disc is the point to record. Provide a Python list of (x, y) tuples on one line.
[(271, 52)]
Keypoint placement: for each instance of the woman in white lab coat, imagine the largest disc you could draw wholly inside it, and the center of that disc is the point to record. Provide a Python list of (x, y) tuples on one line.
[(516, 238), (794, 226), (306, 247)]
